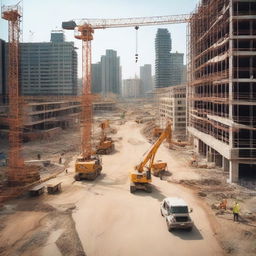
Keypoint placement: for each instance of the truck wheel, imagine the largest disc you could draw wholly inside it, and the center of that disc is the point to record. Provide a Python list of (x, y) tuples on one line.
[(189, 229), (132, 189), (148, 189), (77, 177), (168, 226)]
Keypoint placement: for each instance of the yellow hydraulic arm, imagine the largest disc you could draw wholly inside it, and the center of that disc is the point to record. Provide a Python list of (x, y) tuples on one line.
[(151, 154)]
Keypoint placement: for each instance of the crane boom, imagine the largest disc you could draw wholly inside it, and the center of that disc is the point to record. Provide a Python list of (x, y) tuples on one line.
[(151, 154), (127, 22)]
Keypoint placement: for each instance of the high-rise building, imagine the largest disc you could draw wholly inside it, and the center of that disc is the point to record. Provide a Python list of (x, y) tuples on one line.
[(163, 46), (48, 68), (222, 85), (96, 78), (110, 73), (146, 78), (176, 68)]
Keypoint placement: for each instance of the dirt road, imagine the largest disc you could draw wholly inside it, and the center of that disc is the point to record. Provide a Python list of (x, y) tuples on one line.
[(103, 217), (111, 221)]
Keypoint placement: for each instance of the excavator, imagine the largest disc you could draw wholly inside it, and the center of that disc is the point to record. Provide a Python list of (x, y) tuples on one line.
[(106, 145), (141, 176)]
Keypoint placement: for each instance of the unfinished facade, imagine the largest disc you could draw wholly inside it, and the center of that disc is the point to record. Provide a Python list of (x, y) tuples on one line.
[(172, 107), (222, 85)]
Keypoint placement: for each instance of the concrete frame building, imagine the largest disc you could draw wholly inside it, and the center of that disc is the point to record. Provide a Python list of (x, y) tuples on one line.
[(222, 85), (172, 107), (48, 68), (163, 46)]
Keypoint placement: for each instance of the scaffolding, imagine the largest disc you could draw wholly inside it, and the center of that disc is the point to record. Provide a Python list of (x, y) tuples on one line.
[(221, 80)]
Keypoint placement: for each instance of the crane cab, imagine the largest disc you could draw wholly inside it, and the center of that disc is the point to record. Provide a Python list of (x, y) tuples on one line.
[(140, 181)]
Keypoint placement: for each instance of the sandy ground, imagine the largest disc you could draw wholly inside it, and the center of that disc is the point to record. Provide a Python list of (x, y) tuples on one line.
[(111, 221), (103, 218)]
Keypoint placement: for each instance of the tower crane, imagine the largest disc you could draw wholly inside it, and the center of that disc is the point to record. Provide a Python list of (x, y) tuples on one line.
[(89, 165), (18, 174)]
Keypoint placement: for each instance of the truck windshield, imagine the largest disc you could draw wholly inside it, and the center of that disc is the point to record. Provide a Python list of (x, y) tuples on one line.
[(179, 209)]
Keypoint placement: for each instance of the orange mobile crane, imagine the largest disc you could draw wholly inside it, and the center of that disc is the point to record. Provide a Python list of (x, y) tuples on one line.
[(89, 165)]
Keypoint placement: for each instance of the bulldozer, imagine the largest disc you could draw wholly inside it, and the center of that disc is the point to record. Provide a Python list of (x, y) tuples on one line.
[(106, 145), (88, 168), (140, 177)]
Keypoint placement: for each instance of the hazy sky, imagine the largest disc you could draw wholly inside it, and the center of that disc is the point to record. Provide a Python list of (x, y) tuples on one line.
[(42, 16)]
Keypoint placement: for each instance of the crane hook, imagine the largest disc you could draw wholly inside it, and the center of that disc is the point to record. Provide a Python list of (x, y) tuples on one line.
[(136, 54)]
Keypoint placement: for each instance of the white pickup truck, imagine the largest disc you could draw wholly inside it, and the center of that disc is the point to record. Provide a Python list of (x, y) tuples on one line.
[(176, 213)]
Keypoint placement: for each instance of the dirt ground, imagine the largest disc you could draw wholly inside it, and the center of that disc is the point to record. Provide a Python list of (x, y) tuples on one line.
[(103, 218)]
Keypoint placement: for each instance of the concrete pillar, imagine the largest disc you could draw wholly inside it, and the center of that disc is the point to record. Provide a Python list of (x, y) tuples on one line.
[(225, 164), (218, 159), (233, 172), (209, 155)]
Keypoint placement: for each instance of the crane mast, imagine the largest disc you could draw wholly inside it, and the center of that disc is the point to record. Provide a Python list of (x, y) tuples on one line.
[(85, 33)]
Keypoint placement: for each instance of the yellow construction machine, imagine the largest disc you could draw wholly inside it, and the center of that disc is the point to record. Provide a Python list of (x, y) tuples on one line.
[(141, 176), (106, 145), (88, 169)]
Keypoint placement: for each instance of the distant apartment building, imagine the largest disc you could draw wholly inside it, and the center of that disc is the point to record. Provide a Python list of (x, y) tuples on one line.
[(146, 79), (163, 46), (177, 68), (172, 107), (96, 78), (48, 68), (110, 73), (131, 88), (222, 85)]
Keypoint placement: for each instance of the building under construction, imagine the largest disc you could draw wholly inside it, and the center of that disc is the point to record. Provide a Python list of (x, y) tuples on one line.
[(222, 84)]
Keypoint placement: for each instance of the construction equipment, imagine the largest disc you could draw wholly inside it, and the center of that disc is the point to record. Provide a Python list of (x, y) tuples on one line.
[(106, 145), (88, 165), (18, 174), (84, 29), (141, 176), (157, 131)]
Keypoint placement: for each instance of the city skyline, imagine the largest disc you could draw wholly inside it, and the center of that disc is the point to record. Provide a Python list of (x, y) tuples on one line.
[(36, 28)]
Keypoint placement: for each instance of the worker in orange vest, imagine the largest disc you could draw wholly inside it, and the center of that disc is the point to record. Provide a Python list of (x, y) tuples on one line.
[(236, 210)]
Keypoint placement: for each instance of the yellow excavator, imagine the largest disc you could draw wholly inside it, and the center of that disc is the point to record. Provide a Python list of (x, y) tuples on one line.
[(141, 176), (106, 145)]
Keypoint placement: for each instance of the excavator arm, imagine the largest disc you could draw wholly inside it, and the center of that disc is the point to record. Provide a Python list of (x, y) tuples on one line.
[(151, 154)]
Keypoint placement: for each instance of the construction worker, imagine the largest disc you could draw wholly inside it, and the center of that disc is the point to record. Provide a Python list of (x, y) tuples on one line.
[(236, 210)]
